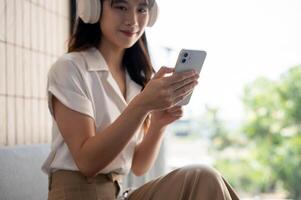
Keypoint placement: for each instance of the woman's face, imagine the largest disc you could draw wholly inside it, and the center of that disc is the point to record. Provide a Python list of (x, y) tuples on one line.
[(123, 22)]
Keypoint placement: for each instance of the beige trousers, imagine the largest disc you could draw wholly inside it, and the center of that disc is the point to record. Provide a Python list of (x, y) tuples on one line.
[(187, 183)]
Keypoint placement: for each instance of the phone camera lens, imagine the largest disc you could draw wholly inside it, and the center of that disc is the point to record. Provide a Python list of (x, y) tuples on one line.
[(185, 55), (183, 60)]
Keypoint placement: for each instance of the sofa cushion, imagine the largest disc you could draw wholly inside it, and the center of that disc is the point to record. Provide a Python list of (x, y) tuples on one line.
[(21, 177)]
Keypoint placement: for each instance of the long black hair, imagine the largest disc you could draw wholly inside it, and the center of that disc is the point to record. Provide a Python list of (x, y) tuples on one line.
[(136, 59)]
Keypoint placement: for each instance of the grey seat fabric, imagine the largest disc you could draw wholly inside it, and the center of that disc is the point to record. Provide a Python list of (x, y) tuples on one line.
[(21, 177)]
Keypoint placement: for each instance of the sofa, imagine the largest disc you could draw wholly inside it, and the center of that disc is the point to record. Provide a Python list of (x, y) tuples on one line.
[(21, 177)]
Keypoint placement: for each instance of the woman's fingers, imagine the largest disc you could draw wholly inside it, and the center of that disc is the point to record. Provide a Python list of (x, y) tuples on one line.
[(179, 98), (181, 89), (174, 109), (185, 90), (161, 91), (180, 76), (162, 71), (185, 82), (177, 113)]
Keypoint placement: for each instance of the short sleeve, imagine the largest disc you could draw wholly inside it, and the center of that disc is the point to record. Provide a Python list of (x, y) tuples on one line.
[(66, 83)]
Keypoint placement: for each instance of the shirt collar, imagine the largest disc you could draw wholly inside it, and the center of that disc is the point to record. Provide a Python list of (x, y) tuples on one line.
[(96, 62), (94, 59)]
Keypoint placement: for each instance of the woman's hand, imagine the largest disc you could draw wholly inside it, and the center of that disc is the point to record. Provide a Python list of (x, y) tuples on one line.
[(161, 118), (163, 92)]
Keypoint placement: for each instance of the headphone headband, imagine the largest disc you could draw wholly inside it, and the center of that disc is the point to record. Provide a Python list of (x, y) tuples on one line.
[(89, 11)]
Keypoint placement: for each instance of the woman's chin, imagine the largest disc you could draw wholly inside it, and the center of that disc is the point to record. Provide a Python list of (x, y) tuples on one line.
[(128, 44)]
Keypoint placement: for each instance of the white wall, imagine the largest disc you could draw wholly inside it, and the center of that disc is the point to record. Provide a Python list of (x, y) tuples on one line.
[(33, 34)]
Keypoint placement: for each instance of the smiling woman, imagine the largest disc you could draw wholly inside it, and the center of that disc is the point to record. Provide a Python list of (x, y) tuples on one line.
[(110, 110), (123, 23)]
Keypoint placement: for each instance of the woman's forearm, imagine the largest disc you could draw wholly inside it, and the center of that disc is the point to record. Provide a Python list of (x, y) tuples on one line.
[(98, 151), (147, 151)]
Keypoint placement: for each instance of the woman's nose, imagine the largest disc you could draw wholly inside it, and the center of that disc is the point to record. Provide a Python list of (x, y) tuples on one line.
[(131, 18)]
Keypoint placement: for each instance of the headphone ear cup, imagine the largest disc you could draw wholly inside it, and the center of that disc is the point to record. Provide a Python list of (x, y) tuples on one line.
[(153, 15), (89, 10)]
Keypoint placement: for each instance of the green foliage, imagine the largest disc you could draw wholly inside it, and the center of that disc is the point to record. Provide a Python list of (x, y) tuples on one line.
[(286, 162), (274, 116), (270, 157), (246, 174)]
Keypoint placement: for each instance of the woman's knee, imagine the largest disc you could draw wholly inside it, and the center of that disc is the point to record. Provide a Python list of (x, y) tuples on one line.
[(202, 172), (200, 169)]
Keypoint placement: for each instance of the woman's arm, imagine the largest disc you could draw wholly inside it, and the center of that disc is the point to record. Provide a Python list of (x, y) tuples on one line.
[(92, 151), (146, 152)]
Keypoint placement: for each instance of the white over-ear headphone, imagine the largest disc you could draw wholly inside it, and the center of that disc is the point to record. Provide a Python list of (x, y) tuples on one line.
[(89, 11)]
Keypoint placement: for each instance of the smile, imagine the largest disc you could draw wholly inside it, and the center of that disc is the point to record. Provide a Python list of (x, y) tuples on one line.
[(129, 33)]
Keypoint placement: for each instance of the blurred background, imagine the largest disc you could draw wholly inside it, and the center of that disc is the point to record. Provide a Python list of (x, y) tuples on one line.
[(244, 116)]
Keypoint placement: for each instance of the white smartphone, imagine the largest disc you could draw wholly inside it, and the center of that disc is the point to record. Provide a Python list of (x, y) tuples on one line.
[(187, 60)]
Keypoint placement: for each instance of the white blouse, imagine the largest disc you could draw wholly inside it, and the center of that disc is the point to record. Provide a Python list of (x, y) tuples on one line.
[(82, 82)]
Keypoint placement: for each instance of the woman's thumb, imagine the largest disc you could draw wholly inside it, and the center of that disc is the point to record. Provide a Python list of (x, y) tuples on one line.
[(162, 71)]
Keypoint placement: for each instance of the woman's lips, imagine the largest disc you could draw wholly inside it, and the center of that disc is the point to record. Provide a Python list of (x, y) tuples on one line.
[(129, 33)]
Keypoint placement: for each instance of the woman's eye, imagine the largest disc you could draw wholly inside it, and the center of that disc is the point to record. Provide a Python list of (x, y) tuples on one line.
[(123, 8), (142, 10)]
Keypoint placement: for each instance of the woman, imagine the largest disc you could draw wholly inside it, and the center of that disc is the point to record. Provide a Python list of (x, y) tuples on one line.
[(109, 115)]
